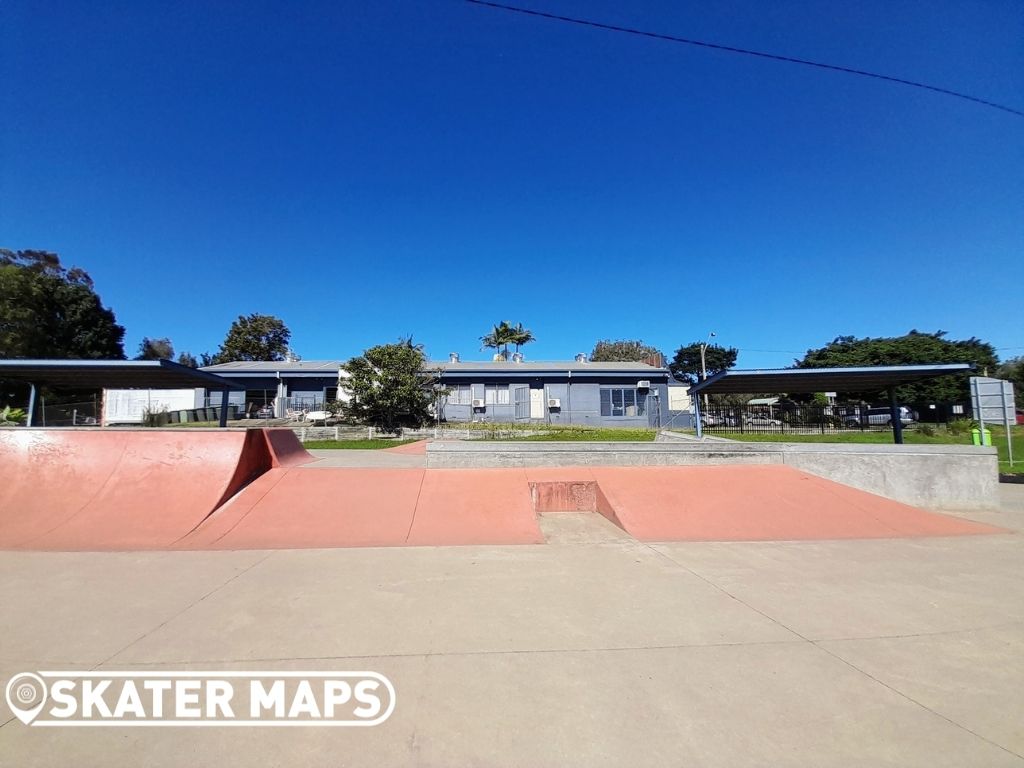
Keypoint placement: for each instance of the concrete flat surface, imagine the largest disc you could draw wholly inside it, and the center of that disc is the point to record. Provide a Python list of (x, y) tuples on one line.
[(593, 649)]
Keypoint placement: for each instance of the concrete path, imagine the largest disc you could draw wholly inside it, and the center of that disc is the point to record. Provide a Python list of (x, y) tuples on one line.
[(593, 649), (386, 459)]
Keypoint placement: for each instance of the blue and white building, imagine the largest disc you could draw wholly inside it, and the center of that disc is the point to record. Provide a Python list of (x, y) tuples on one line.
[(576, 392)]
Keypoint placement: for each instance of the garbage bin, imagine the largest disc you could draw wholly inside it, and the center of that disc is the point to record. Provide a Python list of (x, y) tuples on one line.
[(978, 439)]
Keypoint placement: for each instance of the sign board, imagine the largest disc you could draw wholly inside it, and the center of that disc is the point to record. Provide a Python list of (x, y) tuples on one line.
[(992, 400)]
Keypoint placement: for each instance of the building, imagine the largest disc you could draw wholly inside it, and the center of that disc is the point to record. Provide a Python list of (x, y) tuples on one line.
[(576, 392), (283, 386)]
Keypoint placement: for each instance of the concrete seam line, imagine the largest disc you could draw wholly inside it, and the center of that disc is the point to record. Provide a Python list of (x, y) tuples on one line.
[(416, 506), (851, 665), (911, 699), (188, 607)]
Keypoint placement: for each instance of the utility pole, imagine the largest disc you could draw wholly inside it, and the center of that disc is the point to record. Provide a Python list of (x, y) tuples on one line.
[(704, 366)]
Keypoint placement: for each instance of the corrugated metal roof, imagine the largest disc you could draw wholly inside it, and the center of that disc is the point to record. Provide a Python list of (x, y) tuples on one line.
[(112, 374), (802, 380), (541, 367), (270, 366)]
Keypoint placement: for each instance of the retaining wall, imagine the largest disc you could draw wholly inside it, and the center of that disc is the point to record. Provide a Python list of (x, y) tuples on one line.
[(931, 476)]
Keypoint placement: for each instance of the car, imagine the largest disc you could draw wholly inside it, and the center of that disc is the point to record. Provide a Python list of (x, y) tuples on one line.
[(266, 412), (878, 416), (761, 420)]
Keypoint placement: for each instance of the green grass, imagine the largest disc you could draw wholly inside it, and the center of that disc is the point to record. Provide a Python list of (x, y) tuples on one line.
[(580, 434), (910, 436), (356, 445)]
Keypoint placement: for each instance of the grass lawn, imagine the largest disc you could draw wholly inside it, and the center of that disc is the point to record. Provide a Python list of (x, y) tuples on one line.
[(910, 436), (356, 445), (595, 435)]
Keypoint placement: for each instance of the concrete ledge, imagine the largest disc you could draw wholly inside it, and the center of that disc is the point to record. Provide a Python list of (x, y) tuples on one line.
[(931, 476)]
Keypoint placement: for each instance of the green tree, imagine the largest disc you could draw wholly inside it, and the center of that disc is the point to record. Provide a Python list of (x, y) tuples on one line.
[(253, 338), (521, 336), (49, 311), (915, 348), (623, 351), (500, 337), (1013, 370), (686, 365), (188, 359), (389, 387), (155, 349)]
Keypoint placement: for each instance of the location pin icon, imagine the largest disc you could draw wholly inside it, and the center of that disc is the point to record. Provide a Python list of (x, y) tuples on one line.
[(26, 695)]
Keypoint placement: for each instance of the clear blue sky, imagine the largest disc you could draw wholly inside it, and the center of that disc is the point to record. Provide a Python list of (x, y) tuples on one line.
[(375, 169)]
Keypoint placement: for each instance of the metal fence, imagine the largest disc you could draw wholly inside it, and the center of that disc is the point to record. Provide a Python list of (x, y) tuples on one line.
[(84, 413), (791, 418)]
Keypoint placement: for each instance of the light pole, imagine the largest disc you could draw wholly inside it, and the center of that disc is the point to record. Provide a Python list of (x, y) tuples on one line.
[(704, 366)]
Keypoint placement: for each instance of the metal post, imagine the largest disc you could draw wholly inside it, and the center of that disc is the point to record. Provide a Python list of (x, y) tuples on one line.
[(894, 416), (31, 404), (1006, 421), (976, 392), (224, 407), (697, 418)]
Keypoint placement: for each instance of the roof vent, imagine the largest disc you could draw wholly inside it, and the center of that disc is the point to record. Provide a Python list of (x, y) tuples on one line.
[(453, 357), (581, 357), (517, 357)]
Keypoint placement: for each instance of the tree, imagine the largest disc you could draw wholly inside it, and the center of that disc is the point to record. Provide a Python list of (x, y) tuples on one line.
[(1013, 370), (155, 349), (623, 351), (188, 359), (389, 386), (521, 336), (686, 365), (913, 348), (49, 311), (500, 337), (253, 338)]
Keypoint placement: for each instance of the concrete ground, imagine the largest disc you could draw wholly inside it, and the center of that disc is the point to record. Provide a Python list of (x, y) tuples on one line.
[(593, 649)]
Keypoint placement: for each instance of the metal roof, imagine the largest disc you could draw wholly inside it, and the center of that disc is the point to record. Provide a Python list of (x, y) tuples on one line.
[(793, 380), (112, 374), (272, 366), (503, 366)]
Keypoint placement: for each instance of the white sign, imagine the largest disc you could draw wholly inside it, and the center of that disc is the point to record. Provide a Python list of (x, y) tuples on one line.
[(992, 400)]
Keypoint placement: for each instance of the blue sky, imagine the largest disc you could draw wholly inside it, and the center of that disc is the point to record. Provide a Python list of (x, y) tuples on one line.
[(371, 170)]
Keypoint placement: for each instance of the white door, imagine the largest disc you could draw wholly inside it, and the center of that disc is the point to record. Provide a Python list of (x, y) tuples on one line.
[(536, 403)]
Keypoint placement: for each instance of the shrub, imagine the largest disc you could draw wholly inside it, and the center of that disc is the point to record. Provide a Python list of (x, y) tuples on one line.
[(928, 430), (11, 416), (961, 427), (155, 418)]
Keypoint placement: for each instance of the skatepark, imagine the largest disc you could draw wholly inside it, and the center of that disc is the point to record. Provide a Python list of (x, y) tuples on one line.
[(716, 614)]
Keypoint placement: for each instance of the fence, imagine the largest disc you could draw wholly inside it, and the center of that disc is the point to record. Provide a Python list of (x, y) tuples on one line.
[(78, 414), (795, 419)]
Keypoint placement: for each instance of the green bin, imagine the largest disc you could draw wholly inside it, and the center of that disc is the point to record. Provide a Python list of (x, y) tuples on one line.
[(977, 439)]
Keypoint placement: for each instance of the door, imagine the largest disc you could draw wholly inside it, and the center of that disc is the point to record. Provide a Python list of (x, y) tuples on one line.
[(521, 400), (537, 404)]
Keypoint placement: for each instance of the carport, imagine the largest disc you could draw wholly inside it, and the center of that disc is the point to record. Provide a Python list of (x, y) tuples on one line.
[(113, 374), (810, 380)]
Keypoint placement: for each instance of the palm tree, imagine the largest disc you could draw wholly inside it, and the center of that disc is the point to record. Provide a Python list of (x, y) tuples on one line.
[(500, 337), (521, 336)]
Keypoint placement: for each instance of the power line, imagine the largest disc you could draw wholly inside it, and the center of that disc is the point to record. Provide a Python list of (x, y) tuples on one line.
[(746, 52)]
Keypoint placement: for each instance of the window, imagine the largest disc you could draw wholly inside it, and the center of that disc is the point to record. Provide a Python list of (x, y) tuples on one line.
[(459, 394), (496, 394), (622, 402)]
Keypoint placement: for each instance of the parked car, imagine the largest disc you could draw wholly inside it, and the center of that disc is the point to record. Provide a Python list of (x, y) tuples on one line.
[(718, 420), (880, 416), (266, 412), (761, 420)]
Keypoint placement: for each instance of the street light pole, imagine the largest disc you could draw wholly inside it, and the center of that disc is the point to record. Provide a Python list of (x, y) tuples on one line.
[(704, 366)]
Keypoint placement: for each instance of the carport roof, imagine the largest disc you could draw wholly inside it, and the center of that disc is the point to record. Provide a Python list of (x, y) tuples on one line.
[(112, 374), (800, 380)]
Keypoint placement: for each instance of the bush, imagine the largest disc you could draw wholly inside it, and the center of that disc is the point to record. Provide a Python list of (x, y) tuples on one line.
[(961, 427), (928, 430), (11, 416), (155, 418)]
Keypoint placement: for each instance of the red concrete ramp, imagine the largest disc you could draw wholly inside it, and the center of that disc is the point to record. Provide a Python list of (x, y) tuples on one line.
[(123, 489), (311, 508), (757, 503)]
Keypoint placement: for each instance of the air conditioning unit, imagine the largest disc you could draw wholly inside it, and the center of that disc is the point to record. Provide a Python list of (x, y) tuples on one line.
[(554, 402), (478, 404), (645, 384)]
